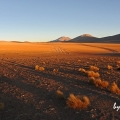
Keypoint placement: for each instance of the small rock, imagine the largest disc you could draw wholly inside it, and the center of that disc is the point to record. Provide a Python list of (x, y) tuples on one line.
[(93, 116)]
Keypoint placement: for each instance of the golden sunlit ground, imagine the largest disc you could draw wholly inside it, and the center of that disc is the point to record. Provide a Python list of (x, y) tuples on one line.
[(29, 92)]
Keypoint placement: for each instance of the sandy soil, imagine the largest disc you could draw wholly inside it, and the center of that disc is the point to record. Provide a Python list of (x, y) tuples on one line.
[(28, 94)]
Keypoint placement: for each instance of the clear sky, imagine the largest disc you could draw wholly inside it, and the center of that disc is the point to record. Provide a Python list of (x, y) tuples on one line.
[(44, 20)]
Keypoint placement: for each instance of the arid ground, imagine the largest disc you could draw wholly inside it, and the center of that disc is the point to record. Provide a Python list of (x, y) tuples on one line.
[(29, 94)]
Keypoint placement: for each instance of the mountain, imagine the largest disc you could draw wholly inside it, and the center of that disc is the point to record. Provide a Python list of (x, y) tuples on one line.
[(87, 35), (61, 39), (89, 38), (92, 39), (84, 38), (111, 39)]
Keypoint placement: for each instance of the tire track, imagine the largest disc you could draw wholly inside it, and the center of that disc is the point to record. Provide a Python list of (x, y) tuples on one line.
[(59, 49), (108, 49)]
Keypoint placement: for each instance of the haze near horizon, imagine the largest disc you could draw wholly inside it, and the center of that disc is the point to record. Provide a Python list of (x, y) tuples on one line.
[(47, 20)]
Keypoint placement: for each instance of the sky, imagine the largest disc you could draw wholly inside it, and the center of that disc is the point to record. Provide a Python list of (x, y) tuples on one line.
[(45, 20)]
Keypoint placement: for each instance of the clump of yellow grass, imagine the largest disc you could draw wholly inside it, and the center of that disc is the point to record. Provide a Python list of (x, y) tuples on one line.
[(77, 102), (93, 68), (55, 70), (59, 94), (114, 88), (41, 68), (93, 74), (91, 80), (82, 70), (110, 67), (98, 82), (37, 67)]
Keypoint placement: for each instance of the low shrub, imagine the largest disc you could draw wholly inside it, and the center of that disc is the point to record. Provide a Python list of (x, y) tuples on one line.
[(41, 69), (94, 68), (101, 83), (77, 102), (59, 94), (98, 82), (91, 80), (36, 67), (82, 70), (109, 67), (114, 88), (93, 74), (55, 70)]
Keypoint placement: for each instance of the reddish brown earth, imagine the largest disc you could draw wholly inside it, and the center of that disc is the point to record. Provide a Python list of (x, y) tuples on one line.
[(28, 94)]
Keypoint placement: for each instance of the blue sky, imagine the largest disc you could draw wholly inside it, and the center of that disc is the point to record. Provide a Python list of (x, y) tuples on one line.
[(44, 20)]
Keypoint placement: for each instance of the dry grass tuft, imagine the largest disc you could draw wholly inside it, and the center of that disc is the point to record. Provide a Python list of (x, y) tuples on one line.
[(1, 106), (98, 82), (101, 83), (110, 67), (93, 74), (55, 70), (114, 88), (41, 68), (37, 67), (82, 70), (77, 102), (94, 68), (91, 80), (59, 94)]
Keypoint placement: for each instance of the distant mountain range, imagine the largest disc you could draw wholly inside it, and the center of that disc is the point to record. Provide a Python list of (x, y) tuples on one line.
[(85, 38), (90, 38)]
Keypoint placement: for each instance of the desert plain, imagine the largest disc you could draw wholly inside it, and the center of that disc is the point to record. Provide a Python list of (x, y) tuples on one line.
[(29, 94)]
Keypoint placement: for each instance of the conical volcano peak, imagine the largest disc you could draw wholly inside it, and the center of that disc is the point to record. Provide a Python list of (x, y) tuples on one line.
[(86, 35), (63, 38)]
